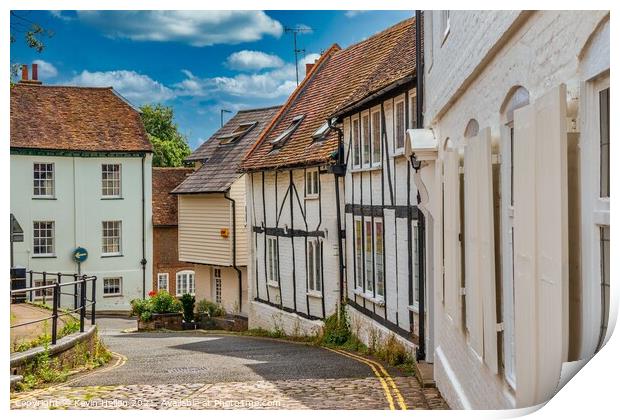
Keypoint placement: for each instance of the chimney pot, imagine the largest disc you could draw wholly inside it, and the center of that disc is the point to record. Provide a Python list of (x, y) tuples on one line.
[(35, 71), (24, 71)]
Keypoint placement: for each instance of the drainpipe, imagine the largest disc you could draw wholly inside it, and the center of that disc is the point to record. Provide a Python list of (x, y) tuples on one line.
[(419, 75), (234, 250), (338, 174), (143, 261)]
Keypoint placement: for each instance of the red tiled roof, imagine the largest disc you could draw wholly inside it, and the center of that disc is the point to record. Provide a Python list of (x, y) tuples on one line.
[(165, 204), (339, 79), (74, 118)]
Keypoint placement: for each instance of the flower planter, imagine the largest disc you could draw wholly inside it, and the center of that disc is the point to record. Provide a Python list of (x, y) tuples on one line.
[(227, 323), (172, 321)]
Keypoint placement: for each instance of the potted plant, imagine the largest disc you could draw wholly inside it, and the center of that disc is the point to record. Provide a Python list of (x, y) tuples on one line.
[(188, 301), (159, 310)]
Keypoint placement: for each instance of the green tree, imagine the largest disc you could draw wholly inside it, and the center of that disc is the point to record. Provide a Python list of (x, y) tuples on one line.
[(170, 147), (32, 32)]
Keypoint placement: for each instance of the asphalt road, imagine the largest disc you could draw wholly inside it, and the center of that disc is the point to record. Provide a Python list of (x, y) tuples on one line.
[(168, 358)]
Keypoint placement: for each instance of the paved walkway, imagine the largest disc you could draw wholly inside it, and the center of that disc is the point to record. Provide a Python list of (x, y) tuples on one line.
[(208, 371), (23, 312)]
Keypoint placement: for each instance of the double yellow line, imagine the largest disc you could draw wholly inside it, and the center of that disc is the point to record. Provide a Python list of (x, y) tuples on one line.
[(382, 374)]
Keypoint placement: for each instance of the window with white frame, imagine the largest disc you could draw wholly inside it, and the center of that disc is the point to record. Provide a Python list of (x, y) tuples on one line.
[(370, 287), (217, 277), (111, 180), (43, 239), (605, 264), (399, 126), (604, 141), (312, 183), (112, 286), (365, 140), (355, 138), (185, 283), (359, 263), (288, 132), (43, 176), (314, 265), (376, 138), (413, 111), (379, 253), (43, 293), (162, 281), (272, 261), (416, 265), (111, 237)]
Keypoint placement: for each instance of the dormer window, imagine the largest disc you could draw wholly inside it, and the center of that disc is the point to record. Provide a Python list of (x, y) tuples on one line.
[(237, 133), (281, 139), (323, 130)]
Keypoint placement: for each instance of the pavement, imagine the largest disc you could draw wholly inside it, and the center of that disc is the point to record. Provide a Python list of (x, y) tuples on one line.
[(170, 370), (23, 312)]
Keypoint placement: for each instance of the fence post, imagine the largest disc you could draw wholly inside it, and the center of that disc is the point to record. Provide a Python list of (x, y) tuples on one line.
[(82, 303), (93, 301), (44, 290), (31, 283), (55, 299), (75, 292)]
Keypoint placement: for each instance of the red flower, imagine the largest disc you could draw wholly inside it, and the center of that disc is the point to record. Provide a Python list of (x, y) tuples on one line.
[(152, 293)]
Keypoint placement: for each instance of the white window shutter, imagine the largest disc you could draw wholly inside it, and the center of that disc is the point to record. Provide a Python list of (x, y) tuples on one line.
[(540, 246), (473, 282), (452, 254), (480, 248)]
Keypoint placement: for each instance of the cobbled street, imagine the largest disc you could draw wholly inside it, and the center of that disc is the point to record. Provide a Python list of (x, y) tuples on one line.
[(188, 370)]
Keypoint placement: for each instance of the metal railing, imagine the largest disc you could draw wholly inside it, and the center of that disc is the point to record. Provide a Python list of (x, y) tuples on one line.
[(80, 302)]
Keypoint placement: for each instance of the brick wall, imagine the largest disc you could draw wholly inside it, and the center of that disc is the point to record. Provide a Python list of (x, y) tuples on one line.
[(165, 256)]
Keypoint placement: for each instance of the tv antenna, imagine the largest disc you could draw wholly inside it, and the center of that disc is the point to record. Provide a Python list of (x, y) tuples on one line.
[(297, 30)]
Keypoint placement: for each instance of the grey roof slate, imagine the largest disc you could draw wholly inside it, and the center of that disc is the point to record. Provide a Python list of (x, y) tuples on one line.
[(221, 161)]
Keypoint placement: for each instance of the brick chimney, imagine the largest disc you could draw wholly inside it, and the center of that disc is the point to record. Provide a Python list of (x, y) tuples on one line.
[(309, 67), (35, 75)]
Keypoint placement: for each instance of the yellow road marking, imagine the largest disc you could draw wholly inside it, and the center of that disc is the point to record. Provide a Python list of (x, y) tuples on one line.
[(388, 394), (387, 376)]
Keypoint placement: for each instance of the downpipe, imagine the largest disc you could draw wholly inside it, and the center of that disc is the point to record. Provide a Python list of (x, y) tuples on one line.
[(234, 250)]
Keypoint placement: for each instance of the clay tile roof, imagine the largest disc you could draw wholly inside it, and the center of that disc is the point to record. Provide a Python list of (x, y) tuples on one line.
[(74, 118), (164, 203), (340, 78), (221, 161)]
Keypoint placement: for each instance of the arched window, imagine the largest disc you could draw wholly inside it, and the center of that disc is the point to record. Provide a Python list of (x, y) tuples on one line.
[(517, 97), (472, 129), (185, 282)]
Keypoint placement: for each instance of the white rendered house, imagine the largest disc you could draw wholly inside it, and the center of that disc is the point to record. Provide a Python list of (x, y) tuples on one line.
[(81, 177), (515, 164)]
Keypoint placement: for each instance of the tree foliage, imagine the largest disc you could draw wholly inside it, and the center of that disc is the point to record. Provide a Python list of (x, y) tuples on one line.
[(170, 147), (32, 32)]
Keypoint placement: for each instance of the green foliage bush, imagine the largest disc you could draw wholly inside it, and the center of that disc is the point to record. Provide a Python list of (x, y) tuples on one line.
[(160, 303), (337, 330), (188, 301), (211, 309)]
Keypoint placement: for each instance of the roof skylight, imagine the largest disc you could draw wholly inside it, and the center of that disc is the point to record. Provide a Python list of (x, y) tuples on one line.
[(237, 133), (281, 139)]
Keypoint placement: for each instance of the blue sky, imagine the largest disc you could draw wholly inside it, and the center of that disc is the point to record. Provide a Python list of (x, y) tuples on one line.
[(198, 62)]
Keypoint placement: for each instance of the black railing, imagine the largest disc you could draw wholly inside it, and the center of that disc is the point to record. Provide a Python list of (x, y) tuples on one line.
[(53, 282)]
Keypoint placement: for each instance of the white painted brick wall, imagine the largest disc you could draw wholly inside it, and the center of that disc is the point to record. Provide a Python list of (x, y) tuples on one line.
[(540, 53)]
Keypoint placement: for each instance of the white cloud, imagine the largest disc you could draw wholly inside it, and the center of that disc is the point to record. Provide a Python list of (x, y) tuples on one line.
[(137, 88), (62, 15), (353, 13), (198, 28), (46, 70), (276, 83), (253, 60)]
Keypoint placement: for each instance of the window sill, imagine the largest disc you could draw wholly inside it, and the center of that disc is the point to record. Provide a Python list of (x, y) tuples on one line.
[(112, 198), (44, 256), (181, 294), (111, 255), (315, 294), (113, 295), (43, 198), (311, 197), (367, 169), (376, 300), (413, 308), (273, 284)]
